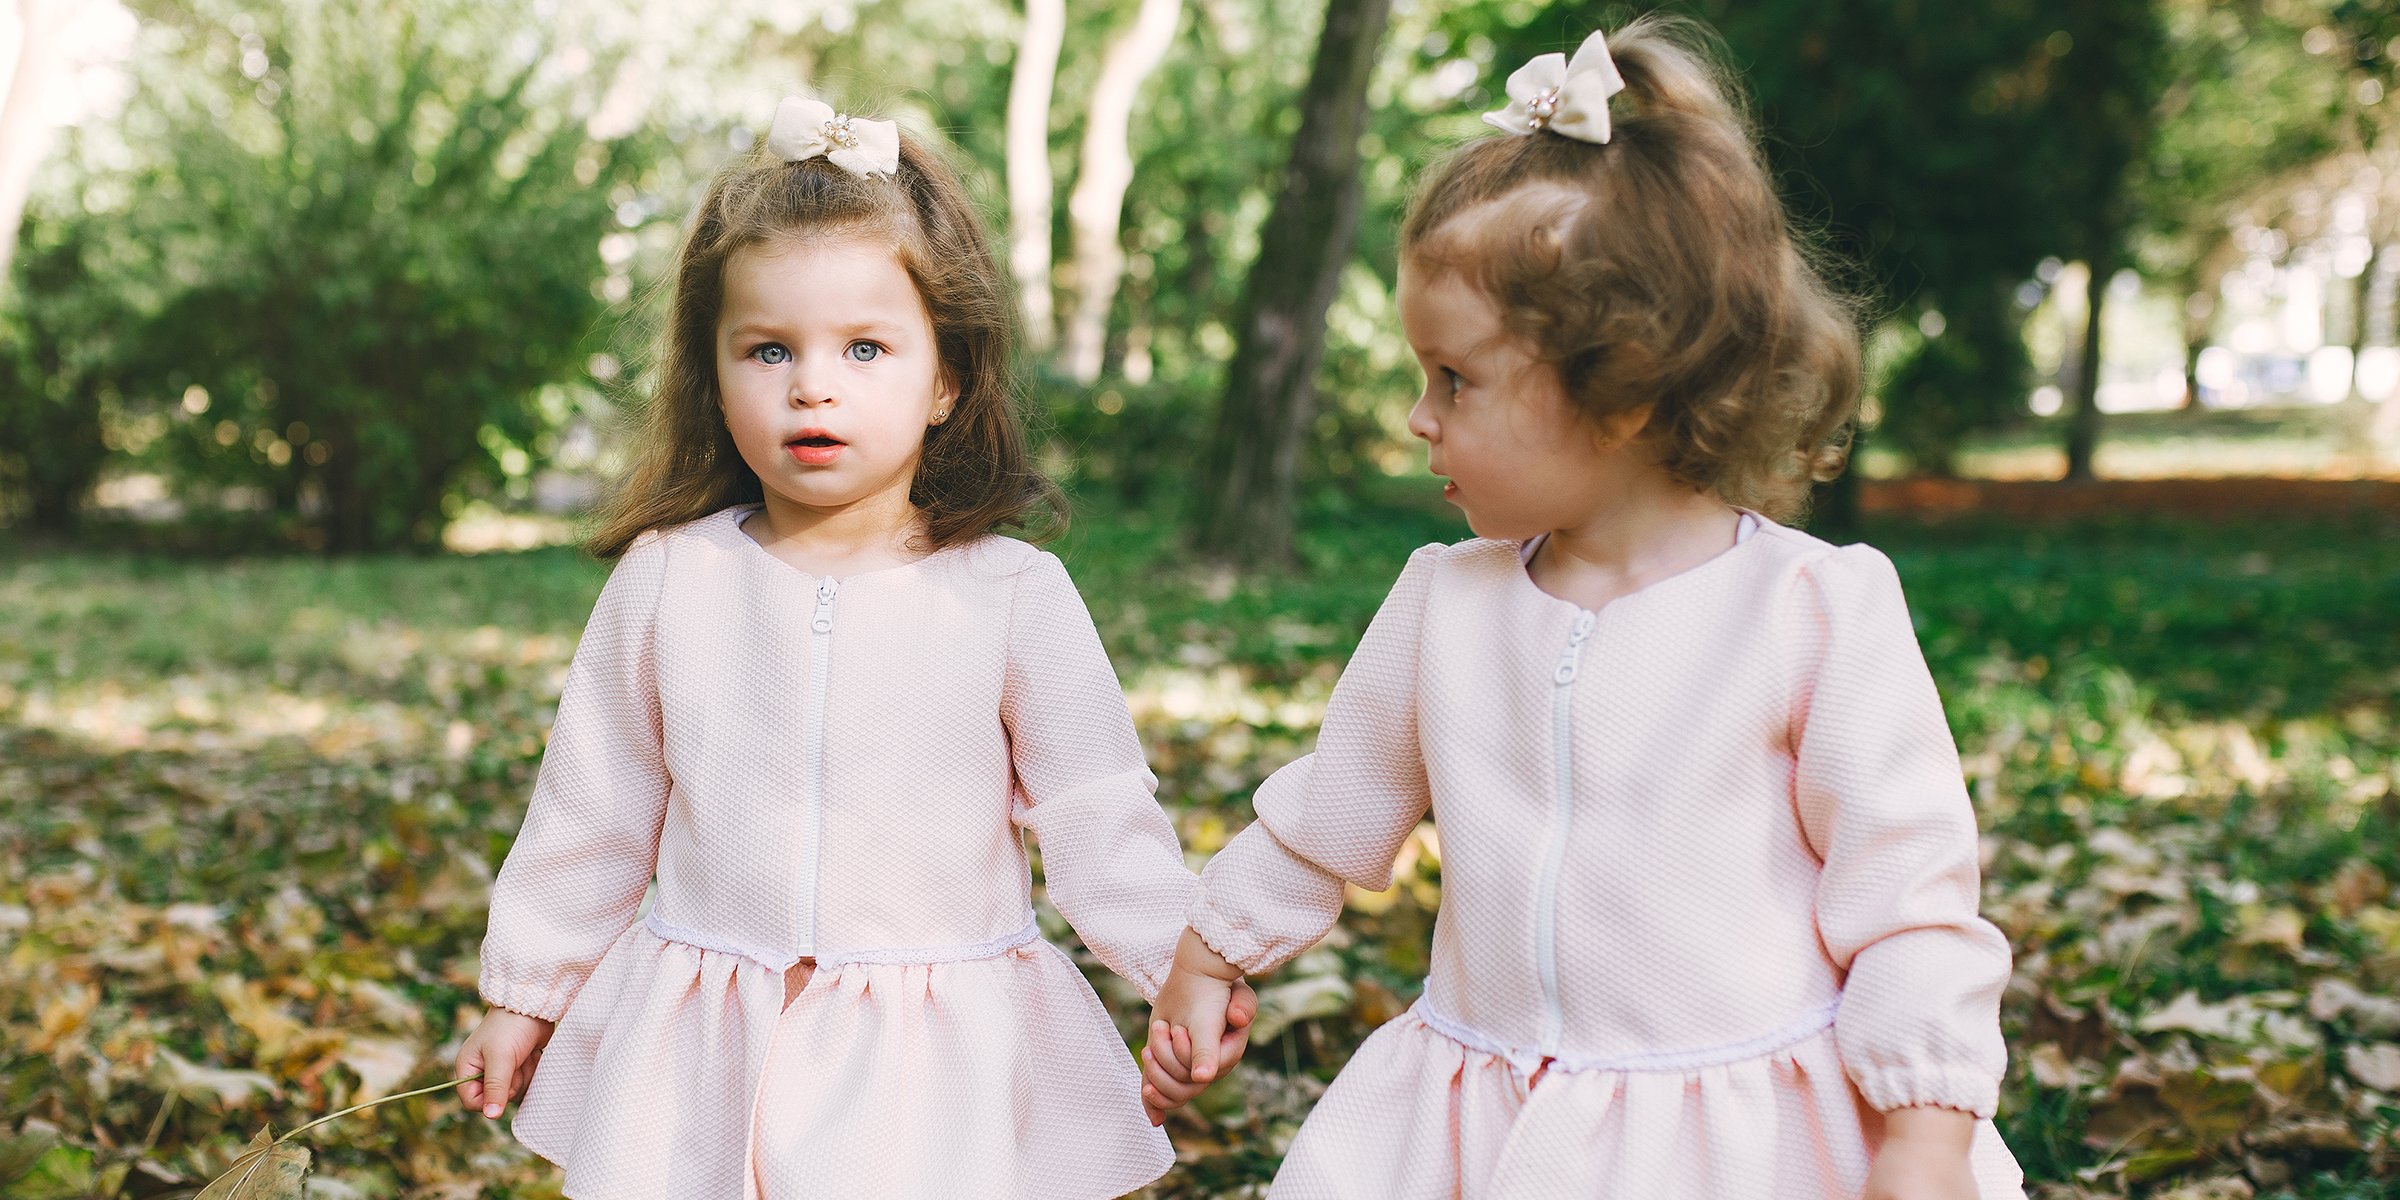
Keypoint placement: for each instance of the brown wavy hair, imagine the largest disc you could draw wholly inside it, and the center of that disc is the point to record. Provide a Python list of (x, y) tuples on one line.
[(975, 474), (1660, 269)]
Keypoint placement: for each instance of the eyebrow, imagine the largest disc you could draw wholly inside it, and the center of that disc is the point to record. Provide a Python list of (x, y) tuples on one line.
[(873, 325)]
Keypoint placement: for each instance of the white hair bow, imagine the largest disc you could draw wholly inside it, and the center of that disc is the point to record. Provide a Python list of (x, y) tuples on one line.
[(807, 128), (1563, 97)]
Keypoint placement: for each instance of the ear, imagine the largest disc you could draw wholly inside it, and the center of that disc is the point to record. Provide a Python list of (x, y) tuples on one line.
[(1616, 429)]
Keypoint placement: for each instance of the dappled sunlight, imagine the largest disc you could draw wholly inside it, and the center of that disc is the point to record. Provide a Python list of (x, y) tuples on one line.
[(372, 690), (1218, 695)]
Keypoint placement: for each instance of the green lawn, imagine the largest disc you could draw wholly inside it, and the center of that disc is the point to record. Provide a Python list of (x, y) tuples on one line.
[(248, 812)]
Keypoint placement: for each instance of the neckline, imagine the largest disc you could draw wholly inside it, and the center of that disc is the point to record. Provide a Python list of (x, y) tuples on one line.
[(1524, 567), (741, 512)]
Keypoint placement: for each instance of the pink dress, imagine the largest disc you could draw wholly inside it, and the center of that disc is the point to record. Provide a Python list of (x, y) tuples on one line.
[(1706, 853), (836, 769)]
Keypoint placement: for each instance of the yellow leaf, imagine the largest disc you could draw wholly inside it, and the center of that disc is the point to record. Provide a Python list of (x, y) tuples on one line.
[(265, 1019), (267, 1170)]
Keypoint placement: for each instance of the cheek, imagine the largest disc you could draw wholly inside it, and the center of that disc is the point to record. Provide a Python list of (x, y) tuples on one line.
[(745, 402)]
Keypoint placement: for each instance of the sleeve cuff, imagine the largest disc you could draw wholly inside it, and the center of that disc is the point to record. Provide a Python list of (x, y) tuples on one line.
[(1967, 1089), (542, 1003), (1234, 943)]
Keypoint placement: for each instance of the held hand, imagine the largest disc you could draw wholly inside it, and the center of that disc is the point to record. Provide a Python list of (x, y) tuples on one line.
[(1198, 1027), (1924, 1156), (1167, 1077), (501, 1055)]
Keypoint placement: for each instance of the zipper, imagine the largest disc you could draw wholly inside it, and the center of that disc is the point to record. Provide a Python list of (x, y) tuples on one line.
[(820, 657), (1545, 913)]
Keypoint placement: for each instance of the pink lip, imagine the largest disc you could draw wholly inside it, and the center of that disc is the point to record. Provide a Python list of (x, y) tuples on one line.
[(814, 448)]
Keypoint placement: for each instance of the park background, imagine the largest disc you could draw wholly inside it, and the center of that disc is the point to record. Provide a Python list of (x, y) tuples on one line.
[(321, 322)]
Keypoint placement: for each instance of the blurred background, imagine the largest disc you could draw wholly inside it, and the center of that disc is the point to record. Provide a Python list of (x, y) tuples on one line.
[(321, 323)]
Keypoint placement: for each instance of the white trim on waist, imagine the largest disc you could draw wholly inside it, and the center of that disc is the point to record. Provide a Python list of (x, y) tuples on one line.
[(1809, 1024), (902, 955)]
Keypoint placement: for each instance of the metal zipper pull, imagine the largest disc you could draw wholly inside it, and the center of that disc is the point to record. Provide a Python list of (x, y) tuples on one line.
[(1574, 652), (825, 590)]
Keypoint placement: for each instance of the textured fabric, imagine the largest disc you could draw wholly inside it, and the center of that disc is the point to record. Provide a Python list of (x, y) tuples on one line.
[(1416, 1116), (964, 696), (1764, 816)]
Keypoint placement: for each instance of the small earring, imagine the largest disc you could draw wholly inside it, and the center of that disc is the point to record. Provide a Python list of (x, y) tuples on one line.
[(940, 417)]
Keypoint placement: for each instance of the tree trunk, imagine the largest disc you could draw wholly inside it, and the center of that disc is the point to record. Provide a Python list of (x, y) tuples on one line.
[(24, 135), (1107, 168), (1029, 190), (2083, 421), (1252, 467)]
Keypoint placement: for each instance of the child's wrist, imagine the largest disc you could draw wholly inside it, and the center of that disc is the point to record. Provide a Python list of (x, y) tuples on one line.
[(1194, 954), (1930, 1124)]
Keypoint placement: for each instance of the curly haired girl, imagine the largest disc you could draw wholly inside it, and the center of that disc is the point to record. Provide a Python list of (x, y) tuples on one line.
[(1708, 922)]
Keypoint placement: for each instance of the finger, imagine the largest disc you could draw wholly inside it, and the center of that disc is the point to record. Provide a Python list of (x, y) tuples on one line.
[(1171, 1090), (498, 1081), (1243, 1008), (1184, 1041), (1169, 1097), (1161, 1043), (470, 1063), (1206, 1031), (1162, 1052), (1231, 1047), (525, 1077)]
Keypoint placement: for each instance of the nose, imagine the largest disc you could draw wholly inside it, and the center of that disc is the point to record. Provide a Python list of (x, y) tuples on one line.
[(1420, 418), (812, 382)]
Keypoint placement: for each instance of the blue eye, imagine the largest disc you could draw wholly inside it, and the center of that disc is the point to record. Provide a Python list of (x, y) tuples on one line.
[(772, 354), (864, 352), (1451, 378)]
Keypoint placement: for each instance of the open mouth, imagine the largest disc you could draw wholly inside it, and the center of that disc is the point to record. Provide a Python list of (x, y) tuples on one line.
[(814, 449)]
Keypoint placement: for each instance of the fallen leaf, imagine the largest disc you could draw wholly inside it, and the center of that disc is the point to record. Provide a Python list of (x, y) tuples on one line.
[(18, 1154), (266, 1170), (1309, 996), (2187, 1012), (2334, 999), (2306, 1133), (382, 1064), (192, 1081), (2051, 1068), (2375, 1064), (265, 1019), (2229, 1187)]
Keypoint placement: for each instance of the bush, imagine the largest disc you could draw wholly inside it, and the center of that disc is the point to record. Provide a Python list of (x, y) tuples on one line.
[(368, 261)]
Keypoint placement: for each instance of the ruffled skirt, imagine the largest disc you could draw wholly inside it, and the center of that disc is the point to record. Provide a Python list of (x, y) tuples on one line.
[(678, 1072), (1418, 1115)]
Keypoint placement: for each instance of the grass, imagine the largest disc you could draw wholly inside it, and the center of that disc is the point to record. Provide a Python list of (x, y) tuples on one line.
[(249, 809), (2305, 441)]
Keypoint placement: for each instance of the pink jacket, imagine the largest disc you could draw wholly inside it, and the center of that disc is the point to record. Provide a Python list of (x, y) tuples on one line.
[(836, 769), (1714, 832)]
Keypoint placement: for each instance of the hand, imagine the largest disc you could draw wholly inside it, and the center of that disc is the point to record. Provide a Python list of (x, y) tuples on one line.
[(1199, 1027), (1924, 1156), (501, 1055)]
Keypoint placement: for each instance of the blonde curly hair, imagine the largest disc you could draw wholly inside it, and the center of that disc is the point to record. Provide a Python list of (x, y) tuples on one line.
[(1659, 269)]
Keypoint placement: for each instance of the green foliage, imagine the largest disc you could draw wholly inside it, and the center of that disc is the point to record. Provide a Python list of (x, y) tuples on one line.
[(372, 259), (57, 373)]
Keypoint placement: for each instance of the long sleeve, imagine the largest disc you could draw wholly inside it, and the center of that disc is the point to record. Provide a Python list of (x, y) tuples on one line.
[(1337, 815), (1882, 804), (576, 874), (1110, 858)]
